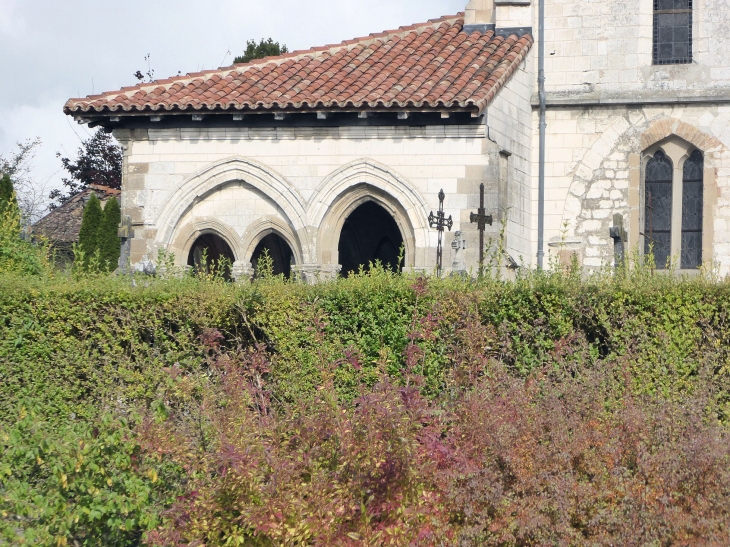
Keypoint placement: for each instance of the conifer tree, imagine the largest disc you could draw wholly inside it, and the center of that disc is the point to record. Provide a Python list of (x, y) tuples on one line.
[(108, 238), (9, 207), (7, 194), (89, 233)]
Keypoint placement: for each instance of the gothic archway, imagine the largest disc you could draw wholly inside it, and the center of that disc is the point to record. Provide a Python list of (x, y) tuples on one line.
[(210, 251), (279, 252), (368, 235)]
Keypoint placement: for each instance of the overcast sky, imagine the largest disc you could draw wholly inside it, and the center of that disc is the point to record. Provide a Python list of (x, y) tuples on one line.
[(53, 50)]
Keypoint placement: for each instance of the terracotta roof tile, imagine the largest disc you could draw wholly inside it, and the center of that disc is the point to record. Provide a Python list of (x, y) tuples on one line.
[(433, 65)]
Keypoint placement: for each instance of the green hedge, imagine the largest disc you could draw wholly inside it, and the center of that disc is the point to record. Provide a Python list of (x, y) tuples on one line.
[(75, 346), (88, 365)]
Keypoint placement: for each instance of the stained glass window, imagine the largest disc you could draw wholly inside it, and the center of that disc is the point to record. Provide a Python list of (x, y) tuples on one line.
[(692, 204), (672, 32), (658, 209)]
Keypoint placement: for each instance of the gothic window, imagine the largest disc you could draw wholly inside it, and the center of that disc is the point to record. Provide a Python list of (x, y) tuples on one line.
[(672, 32), (673, 206), (692, 198), (658, 208)]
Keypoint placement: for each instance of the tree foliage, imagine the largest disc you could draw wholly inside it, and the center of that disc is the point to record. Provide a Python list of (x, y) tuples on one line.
[(31, 194), (9, 211), (99, 242), (108, 240), (99, 162), (89, 233), (7, 193), (18, 254), (265, 48)]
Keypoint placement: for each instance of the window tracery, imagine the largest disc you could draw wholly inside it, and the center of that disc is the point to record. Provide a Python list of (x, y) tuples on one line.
[(673, 205)]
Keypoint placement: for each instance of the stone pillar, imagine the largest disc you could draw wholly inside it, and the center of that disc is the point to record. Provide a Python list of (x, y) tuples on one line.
[(314, 273), (242, 271), (126, 234)]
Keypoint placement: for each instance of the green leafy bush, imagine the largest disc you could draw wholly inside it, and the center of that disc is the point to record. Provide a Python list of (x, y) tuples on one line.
[(87, 483), (18, 255), (79, 344), (375, 410)]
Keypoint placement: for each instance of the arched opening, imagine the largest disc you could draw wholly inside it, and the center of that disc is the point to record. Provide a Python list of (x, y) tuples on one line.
[(692, 211), (658, 190), (369, 234), (209, 253), (279, 252)]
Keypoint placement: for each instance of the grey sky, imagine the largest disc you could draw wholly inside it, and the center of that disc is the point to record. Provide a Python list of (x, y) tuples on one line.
[(53, 50)]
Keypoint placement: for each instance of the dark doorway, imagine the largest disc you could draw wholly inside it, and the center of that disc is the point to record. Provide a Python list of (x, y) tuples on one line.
[(370, 234), (280, 253), (216, 252)]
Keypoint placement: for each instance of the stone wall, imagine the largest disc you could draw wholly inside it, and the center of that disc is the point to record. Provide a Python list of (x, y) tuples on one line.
[(244, 183), (509, 123), (594, 171), (607, 103), (603, 49)]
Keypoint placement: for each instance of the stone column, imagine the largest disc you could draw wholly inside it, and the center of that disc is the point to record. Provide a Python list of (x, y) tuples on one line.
[(242, 271), (314, 273)]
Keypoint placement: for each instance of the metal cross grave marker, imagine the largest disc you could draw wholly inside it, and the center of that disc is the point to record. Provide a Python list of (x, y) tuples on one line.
[(481, 218), (439, 222)]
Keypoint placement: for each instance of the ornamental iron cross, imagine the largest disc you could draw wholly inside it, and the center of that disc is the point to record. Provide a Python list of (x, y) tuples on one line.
[(439, 222), (481, 218)]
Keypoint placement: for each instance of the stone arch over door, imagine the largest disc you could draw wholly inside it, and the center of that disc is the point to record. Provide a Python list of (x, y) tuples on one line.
[(222, 173), (355, 184)]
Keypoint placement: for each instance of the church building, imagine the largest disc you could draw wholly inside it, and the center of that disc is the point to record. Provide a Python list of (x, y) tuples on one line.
[(334, 157)]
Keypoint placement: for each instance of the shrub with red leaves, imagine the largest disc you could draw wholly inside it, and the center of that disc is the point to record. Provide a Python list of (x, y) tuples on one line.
[(562, 456), (579, 461), (314, 474)]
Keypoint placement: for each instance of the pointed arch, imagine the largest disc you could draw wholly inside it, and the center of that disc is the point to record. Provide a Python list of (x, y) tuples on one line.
[(367, 179), (223, 172), (187, 234), (671, 127)]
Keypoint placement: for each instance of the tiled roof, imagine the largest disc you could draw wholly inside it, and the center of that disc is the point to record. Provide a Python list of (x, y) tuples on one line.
[(432, 65), (62, 225)]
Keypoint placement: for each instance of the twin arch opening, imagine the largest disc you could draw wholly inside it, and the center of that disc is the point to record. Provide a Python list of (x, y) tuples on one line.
[(369, 235), (211, 252)]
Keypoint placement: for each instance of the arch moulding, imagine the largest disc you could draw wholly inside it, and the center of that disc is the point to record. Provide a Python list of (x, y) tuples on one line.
[(200, 185), (671, 127), (190, 232), (356, 183), (265, 226)]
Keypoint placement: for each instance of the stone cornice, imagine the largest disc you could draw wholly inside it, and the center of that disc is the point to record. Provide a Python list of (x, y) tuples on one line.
[(638, 98)]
